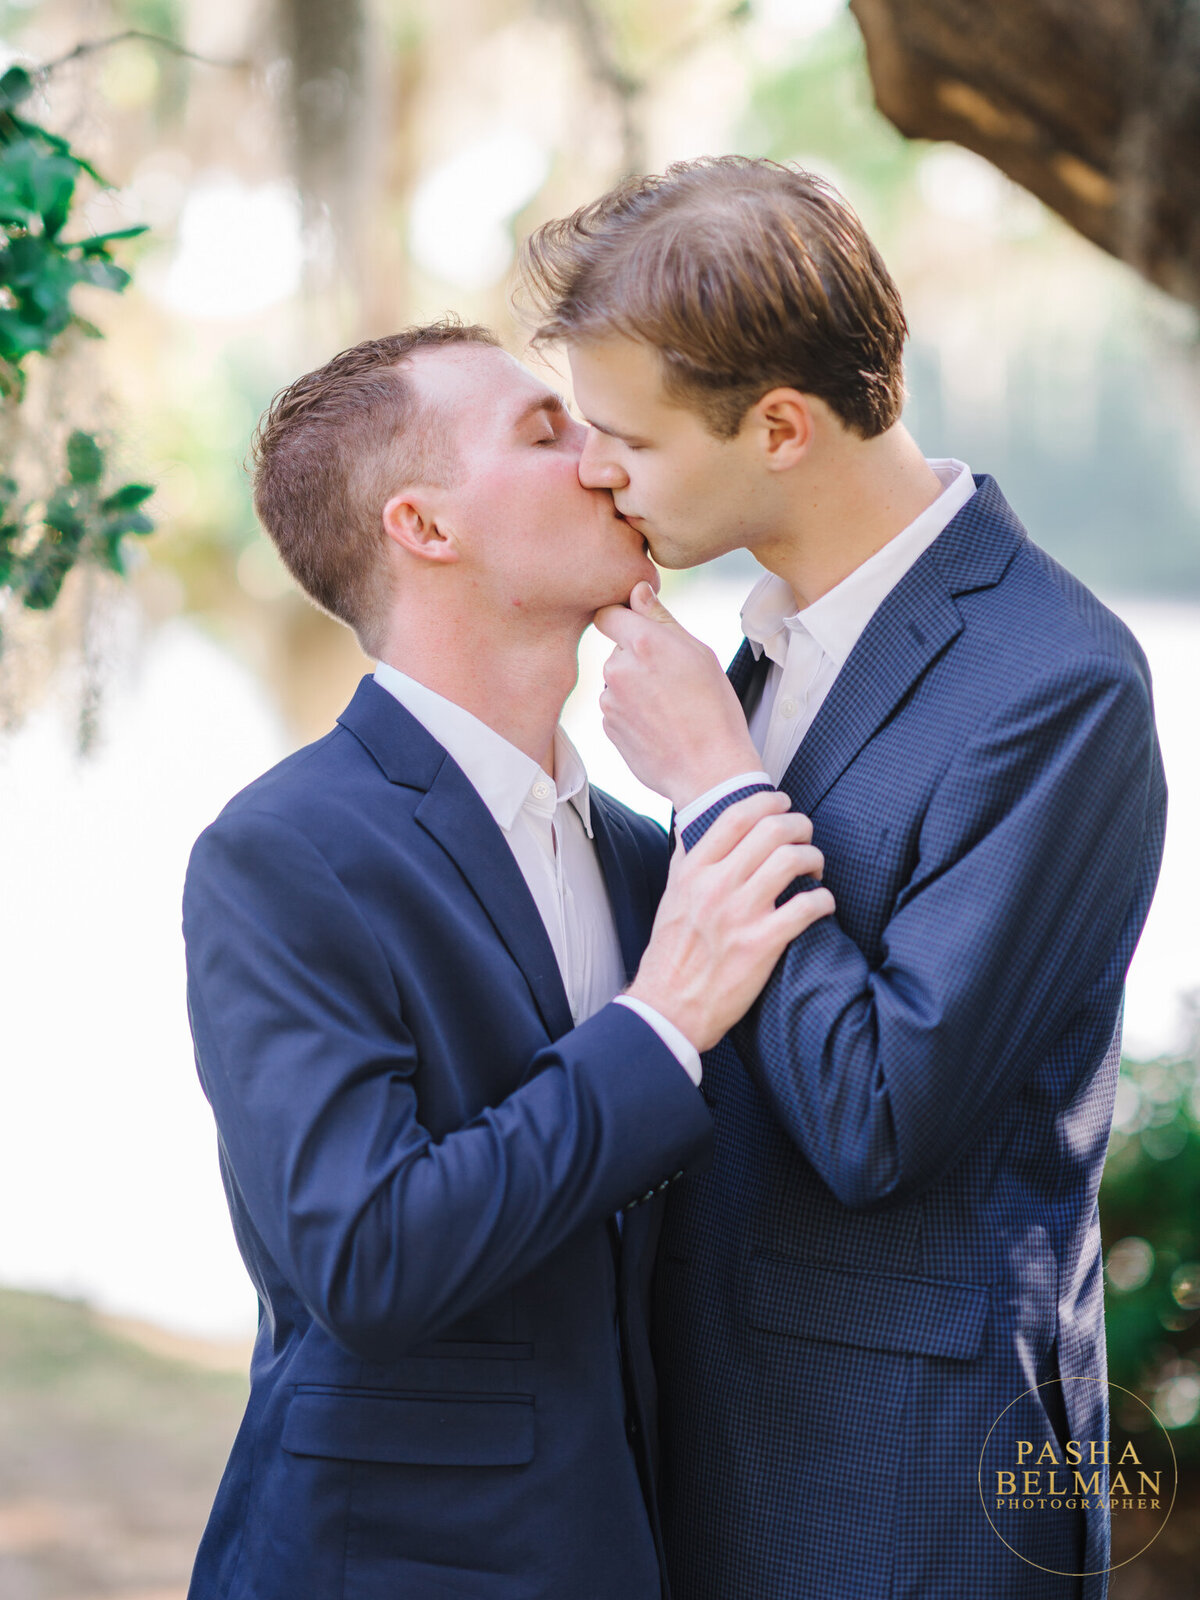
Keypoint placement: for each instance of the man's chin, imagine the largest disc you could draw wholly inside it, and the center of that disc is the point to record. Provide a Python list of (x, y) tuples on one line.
[(652, 576), (663, 556)]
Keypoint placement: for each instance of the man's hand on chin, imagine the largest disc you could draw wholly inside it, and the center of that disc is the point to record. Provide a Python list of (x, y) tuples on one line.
[(667, 704)]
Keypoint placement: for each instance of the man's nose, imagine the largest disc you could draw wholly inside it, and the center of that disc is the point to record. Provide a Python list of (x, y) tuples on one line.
[(597, 469)]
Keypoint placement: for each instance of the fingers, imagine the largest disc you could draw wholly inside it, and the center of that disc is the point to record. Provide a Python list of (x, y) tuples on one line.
[(791, 919), (644, 602), (617, 623), (734, 823), (630, 625), (782, 867), (769, 836)]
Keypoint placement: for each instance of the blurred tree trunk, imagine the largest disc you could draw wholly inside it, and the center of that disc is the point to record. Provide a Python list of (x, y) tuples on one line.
[(1092, 105), (330, 103)]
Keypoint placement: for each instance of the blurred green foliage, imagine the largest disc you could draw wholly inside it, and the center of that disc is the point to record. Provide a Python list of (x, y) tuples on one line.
[(1150, 1218), (817, 108), (42, 538), (40, 545), (38, 268)]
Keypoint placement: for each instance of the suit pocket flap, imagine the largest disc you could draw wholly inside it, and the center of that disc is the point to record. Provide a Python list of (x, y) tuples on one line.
[(914, 1316), (421, 1430)]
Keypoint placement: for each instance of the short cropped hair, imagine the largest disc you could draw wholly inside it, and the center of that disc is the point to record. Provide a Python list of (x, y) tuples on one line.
[(746, 275), (330, 452)]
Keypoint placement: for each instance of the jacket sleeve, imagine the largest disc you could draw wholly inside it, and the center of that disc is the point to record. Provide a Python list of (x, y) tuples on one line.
[(386, 1234), (1031, 854), (699, 826)]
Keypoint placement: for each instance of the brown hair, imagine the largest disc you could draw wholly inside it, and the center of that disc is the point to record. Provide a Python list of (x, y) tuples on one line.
[(744, 274), (328, 454)]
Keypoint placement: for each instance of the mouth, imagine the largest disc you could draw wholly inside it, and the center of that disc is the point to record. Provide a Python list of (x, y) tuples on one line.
[(632, 522)]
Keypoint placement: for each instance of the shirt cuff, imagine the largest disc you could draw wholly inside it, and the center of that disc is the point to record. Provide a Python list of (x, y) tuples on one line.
[(681, 1048), (744, 780)]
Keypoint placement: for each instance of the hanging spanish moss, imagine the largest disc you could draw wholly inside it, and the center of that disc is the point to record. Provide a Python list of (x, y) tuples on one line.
[(328, 99)]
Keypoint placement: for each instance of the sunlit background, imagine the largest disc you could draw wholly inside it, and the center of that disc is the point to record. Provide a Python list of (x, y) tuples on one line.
[(1032, 356), (292, 214)]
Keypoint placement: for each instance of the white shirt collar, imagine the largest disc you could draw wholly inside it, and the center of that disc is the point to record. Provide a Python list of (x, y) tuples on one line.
[(837, 619), (505, 777)]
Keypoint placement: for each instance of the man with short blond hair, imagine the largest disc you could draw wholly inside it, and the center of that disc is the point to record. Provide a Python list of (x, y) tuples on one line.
[(897, 1246)]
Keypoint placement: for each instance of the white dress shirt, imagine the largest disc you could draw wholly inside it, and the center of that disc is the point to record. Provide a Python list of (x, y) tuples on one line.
[(808, 648), (546, 823)]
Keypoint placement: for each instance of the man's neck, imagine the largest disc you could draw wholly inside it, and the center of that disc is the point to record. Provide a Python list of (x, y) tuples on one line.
[(514, 683), (846, 509)]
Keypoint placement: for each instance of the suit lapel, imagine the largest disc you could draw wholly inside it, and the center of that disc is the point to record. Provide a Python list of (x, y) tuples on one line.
[(911, 628), (625, 878), (452, 812), (744, 669)]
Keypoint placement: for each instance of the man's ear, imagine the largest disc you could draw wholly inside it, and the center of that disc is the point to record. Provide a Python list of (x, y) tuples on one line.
[(785, 423), (410, 521)]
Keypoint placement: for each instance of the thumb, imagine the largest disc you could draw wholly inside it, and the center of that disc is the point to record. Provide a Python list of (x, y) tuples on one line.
[(645, 603)]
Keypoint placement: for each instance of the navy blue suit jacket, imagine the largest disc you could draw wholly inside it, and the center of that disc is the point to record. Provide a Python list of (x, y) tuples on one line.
[(899, 1235), (422, 1158)]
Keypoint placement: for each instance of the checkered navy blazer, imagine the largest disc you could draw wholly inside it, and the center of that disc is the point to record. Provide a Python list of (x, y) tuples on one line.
[(898, 1235)]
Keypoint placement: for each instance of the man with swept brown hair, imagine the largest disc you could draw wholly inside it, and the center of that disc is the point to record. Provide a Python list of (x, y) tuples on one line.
[(405, 945), (897, 1244)]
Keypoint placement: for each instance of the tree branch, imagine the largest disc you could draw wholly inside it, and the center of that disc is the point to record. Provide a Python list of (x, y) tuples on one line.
[(90, 47)]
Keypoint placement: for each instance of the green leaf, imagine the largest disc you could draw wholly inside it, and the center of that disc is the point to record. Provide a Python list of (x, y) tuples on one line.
[(18, 338), (16, 85), (53, 184), (15, 210), (112, 556), (39, 577), (102, 273), (28, 259), (63, 516), (99, 241), (127, 497), (45, 578), (44, 182), (85, 459), (50, 292), (44, 140), (130, 522)]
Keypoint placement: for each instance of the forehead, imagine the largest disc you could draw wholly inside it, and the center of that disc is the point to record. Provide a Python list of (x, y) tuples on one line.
[(474, 381), (616, 372)]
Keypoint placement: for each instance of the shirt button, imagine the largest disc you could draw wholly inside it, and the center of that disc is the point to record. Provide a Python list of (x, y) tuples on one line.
[(541, 790), (788, 708)]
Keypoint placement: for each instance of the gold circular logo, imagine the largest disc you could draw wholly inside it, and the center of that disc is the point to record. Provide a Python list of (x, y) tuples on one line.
[(1067, 1458)]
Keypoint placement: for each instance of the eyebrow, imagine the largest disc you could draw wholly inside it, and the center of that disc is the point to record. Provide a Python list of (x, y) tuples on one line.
[(613, 433), (553, 404)]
